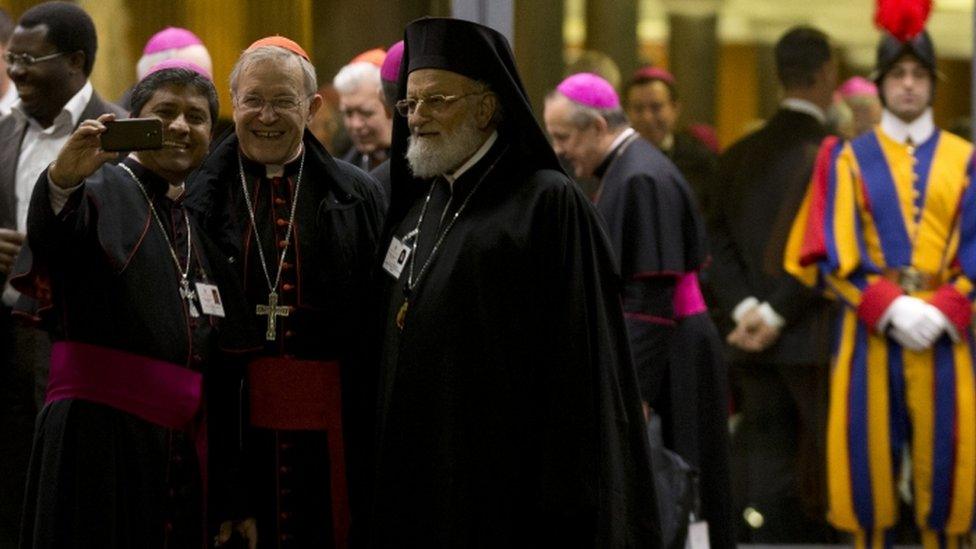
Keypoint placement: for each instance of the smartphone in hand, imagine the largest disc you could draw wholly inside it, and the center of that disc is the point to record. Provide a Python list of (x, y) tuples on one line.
[(133, 134)]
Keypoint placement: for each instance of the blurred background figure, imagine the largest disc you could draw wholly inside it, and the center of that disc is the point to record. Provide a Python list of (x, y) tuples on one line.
[(778, 348), (326, 126), (840, 119), (389, 74), (174, 43), (861, 96), (365, 114), (8, 92), (653, 109), (170, 43)]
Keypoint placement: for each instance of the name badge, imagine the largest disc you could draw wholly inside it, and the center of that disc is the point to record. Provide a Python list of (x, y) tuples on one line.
[(398, 254), (210, 301)]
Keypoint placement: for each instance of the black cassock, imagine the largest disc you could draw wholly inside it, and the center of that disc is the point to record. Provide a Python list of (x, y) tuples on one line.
[(509, 413), (658, 236), (101, 477), (284, 476)]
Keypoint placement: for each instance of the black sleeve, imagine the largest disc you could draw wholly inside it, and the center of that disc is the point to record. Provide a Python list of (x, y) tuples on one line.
[(649, 311), (726, 274)]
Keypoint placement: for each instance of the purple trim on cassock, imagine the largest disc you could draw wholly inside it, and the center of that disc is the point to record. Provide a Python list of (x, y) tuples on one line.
[(688, 299)]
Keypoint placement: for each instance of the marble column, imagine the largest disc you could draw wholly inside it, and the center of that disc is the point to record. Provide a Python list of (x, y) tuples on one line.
[(611, 28), (539, 48), (693, 56)]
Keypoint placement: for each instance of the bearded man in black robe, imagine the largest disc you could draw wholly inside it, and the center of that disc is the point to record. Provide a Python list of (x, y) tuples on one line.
[(509, 413)]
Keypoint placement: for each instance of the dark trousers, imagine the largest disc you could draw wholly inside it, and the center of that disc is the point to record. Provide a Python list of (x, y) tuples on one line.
[(778, 453)]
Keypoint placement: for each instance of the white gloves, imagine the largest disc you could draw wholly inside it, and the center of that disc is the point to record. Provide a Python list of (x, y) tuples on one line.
[(914, 323), (765, 310)]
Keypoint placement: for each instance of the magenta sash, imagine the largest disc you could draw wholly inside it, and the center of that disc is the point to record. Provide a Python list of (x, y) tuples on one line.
[(159, 392), (688, 299)]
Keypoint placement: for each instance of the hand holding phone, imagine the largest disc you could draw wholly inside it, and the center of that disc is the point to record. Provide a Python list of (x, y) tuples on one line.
[(82, 154), (132, 134)]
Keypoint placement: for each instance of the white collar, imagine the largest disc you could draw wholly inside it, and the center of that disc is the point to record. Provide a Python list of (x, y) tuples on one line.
[(804, 106), (920, 129), (481, 152), (70, 113), (174, 191), (278, 170), (667, 143), (620, 139), (8, 99)]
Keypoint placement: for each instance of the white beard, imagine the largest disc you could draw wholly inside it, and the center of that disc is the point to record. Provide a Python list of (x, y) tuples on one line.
[(432, 156)]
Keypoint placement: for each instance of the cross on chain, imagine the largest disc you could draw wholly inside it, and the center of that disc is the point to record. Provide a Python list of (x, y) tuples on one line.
[(272, 310)]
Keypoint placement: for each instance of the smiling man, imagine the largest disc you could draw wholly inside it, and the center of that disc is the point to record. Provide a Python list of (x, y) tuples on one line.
[(889, 229), (112, 254), (49, 58), (301, 228)]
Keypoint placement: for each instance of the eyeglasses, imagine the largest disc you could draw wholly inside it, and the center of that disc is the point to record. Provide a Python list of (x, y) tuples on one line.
[(435, 103), (26, 59), (279, 105)]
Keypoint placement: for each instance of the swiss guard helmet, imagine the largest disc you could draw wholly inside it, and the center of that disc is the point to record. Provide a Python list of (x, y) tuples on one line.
[(891, 49), (903, 33)]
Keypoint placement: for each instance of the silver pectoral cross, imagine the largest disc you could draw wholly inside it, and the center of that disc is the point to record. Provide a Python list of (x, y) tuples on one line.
[(272, 310), (189, 295)]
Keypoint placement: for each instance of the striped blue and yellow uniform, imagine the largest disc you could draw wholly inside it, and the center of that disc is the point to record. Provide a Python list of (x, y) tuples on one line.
[(874, 206)]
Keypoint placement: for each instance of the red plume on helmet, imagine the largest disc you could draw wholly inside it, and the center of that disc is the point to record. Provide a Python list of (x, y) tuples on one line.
[(904, 19)]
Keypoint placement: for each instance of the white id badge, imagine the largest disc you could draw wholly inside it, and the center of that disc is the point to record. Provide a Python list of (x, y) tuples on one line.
[(209, 297), (698, 535), (396, 257)]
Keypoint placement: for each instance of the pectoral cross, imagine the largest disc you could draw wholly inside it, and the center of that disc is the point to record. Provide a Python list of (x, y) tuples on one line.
[(189, 295), (272, 310)]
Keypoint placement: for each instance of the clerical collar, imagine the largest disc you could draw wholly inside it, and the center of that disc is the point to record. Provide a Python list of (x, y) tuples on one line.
[(485, 147), (802, 105), (613, 151), (154, 183), (667, 143), (272, 170), (919, 130)]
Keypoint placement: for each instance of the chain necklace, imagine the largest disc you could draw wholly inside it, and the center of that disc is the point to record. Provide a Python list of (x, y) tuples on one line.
[(272, 310), (185, 292), (411, 282)]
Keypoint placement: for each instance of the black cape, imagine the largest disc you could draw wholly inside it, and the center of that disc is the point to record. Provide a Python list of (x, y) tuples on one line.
[(509, 413), (102, 274), (657, 232)]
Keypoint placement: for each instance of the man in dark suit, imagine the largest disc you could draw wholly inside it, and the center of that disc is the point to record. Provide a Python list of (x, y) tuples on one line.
[(778, 347), (49, 58)]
